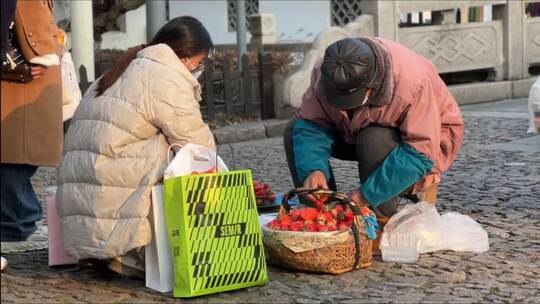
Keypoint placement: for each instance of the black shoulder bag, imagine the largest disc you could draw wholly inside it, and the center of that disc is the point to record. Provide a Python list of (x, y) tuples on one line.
[(15, 67)]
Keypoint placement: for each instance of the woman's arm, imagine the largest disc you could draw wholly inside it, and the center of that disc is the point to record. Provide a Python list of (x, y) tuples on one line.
[(175, 110)]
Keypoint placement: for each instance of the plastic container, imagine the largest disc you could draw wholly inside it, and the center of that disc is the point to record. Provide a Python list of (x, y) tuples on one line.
[(400, 247)]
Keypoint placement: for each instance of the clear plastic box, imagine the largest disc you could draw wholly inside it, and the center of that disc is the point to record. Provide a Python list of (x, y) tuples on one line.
[(400, 247)]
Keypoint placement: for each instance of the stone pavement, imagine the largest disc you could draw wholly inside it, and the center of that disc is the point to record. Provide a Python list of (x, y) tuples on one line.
[(498, 187)]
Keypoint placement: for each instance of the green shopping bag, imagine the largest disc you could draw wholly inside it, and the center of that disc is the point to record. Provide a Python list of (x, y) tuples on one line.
[(214, 232)]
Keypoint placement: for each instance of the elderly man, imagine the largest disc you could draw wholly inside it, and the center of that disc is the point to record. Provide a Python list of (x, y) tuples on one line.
[(380, 104)]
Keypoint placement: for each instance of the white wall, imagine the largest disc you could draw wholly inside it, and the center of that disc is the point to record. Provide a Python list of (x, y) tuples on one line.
[(298, 21), (132, 31), (212, 14)]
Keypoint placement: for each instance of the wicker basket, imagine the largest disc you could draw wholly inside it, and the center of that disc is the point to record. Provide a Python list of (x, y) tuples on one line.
[(322, 252)]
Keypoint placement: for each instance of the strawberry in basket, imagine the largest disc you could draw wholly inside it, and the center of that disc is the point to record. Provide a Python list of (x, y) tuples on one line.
[(321, 217), (326, 218), (345, 245), (263, 194)]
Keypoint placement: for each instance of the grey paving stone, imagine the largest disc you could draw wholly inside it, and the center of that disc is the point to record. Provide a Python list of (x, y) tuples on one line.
[(497, 188)]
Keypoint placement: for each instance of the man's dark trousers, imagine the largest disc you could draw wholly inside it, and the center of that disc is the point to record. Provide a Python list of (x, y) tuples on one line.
[(373, 144)]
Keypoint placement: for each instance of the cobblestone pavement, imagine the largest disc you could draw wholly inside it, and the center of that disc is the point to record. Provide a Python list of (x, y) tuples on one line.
[(499, 189)]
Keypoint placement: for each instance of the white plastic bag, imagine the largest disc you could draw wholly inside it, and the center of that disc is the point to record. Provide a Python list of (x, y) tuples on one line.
[(534, 107), (450, 231), (461, 233), (420, 219), (193, 157), (71, 93), (266, 218)]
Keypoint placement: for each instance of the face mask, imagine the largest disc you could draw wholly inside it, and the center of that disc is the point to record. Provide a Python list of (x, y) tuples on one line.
[(197, 73)]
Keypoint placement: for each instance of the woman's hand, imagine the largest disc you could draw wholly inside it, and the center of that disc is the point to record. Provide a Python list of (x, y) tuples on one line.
[(37, 71)]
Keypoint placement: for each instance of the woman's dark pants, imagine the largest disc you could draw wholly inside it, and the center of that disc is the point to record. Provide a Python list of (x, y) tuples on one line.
[(20, 207)]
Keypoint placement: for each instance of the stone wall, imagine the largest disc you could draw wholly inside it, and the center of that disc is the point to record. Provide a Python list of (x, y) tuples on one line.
[(294, 86)]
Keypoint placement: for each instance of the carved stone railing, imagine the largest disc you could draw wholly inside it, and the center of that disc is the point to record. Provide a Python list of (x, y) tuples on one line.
[(507, 46), (456, 48), (409, 6)]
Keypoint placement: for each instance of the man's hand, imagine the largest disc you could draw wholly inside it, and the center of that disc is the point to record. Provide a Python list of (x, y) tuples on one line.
[(358, 198), (316, 179), (37, 71)]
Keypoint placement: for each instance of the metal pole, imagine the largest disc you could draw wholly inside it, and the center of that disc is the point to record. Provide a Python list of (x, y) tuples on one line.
[(156, 17), (241, 30), (82, 36), (241, 44)]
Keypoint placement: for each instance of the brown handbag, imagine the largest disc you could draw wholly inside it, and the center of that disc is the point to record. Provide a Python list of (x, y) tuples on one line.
[(15, 67)]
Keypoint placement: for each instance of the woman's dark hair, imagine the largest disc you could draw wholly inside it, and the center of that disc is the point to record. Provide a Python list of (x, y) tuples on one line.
[(185, 35)]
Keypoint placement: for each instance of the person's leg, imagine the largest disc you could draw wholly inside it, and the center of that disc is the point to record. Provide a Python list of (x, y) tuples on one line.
[(373, 144), (341, 151), (20, 207)]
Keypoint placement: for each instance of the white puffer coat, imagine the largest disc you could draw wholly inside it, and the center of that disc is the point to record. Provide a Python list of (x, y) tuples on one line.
[(116, 150)]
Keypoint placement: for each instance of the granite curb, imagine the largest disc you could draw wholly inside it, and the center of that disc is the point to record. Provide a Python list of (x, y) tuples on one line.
[(250, 131), (257, 130)]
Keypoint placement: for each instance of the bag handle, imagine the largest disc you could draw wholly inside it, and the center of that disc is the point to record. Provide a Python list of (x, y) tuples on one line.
[(217, 154), (169, 151), (333, 196)]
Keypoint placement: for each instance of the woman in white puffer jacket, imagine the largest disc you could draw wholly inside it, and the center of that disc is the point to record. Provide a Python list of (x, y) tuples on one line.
[(116, 146)]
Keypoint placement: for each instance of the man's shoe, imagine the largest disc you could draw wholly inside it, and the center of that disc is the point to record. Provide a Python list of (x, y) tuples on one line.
[(375, 248), (429, 194)]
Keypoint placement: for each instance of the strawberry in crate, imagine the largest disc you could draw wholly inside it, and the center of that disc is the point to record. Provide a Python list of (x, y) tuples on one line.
[(263, 194)]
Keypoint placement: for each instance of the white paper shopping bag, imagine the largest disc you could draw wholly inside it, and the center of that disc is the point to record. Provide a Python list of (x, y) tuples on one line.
[(158, 261)]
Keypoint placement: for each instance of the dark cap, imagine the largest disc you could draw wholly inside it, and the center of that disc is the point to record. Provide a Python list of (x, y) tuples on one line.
[(348, 71)]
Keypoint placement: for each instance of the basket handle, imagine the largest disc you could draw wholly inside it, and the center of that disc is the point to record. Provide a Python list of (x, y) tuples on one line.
[(332, 196)]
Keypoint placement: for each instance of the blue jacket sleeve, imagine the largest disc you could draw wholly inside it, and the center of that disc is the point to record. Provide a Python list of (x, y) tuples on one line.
[(312, 148), (403, 166)]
